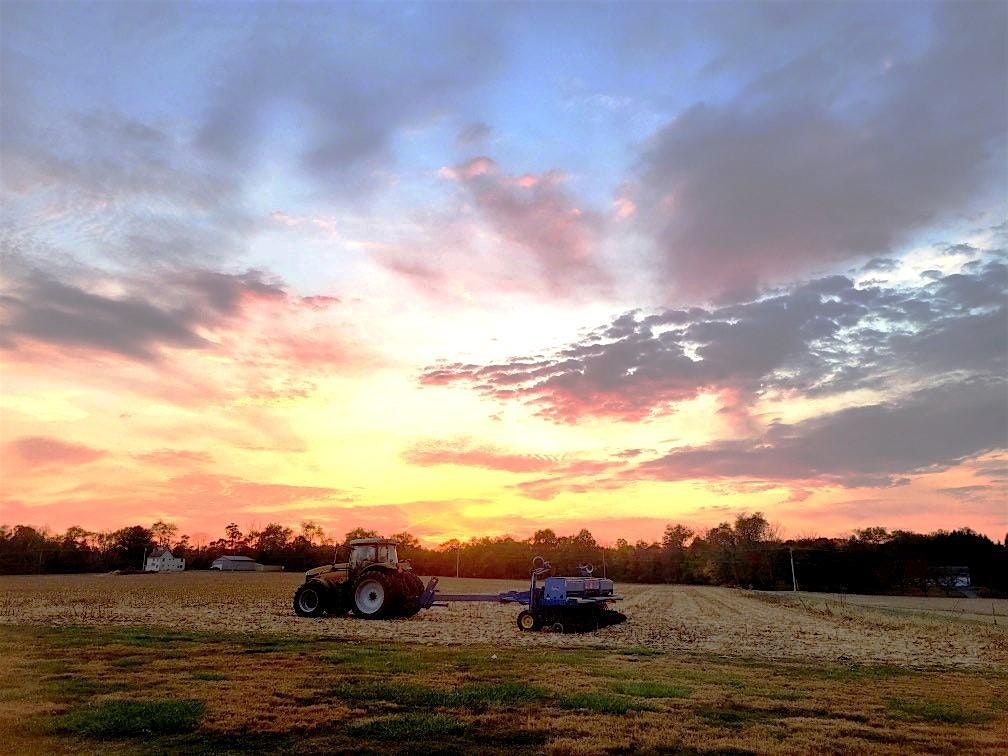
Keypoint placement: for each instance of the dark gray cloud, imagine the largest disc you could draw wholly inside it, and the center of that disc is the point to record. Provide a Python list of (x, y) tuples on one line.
[(825, 336), (927, 431), (833, 153), (473, 133), (37, 307)]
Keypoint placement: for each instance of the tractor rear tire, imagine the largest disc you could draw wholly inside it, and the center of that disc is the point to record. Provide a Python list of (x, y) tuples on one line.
[(410, 590), (309, 600), (375, 595)]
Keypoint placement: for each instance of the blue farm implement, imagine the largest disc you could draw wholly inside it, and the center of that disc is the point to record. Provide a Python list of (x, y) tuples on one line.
[(557, 604)]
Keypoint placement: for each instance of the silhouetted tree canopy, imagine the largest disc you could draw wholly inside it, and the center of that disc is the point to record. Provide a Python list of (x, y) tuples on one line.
[(747, 552)]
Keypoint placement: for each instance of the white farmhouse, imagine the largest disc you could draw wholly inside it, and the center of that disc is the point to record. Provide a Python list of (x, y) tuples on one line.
[(161, 560)]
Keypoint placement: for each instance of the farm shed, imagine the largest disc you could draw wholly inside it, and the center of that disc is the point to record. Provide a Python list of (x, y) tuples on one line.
[(234, 563), (162, 560), (242, 564)]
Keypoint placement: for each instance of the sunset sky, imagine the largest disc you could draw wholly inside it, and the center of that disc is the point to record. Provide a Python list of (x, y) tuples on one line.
[(481, 269)]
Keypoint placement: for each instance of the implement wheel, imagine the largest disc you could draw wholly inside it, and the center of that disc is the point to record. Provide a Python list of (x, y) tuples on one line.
[(527, 621), (309, 600)]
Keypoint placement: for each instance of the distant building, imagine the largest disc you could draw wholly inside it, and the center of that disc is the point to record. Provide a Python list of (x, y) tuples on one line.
[(234, 563), (161, 560), (242, 564)]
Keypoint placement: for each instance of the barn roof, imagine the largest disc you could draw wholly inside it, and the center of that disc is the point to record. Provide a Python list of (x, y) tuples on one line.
[(160, 552), (234, 558)]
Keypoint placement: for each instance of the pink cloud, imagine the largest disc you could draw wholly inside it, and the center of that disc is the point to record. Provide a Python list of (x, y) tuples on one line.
[(46, 451), (462, 452), (524, 232), (477, 166)]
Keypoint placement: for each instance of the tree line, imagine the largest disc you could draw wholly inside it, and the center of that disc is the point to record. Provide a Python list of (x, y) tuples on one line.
[(746, 553)]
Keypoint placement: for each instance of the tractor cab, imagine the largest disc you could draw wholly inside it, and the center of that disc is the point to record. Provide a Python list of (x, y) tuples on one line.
[(365, 551)]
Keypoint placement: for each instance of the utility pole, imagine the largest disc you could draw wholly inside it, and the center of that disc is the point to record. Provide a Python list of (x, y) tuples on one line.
[(794, 580), (143, 562)]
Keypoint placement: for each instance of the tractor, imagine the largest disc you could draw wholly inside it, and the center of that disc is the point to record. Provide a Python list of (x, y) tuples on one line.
[(373, 584)]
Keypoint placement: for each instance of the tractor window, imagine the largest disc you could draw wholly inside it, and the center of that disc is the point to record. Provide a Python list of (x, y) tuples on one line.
[(387, 553), (362, 554)]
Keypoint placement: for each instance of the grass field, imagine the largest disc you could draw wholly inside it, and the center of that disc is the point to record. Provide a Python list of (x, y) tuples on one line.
[(216, 663)]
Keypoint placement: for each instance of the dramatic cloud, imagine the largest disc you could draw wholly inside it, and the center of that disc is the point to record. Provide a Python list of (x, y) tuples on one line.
[(928, 431), (826, 336), (167, 313), (808, 166)]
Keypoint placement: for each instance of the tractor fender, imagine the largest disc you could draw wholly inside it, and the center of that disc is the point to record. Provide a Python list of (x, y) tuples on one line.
[(378, 567)]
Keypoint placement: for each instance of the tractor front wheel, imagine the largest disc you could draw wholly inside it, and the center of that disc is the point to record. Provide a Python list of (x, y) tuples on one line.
[(527, 621), (309, 601)]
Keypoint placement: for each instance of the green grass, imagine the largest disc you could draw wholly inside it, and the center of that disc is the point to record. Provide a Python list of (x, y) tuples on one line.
[(128, 662), (643, 651), (209, 676), (411, 695), (74, 687), (603, 703), (652, 689), (937, 711), (731, 714), (133, 718), (409, 729), (498, 694), (720, 677), (858, 673), (148, 638), (271, 645)]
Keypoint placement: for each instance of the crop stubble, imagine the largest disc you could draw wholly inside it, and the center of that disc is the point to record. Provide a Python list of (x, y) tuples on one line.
[(921, 632)]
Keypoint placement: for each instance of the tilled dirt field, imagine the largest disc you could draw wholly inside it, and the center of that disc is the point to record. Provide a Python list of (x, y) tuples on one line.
[(690, 619)]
